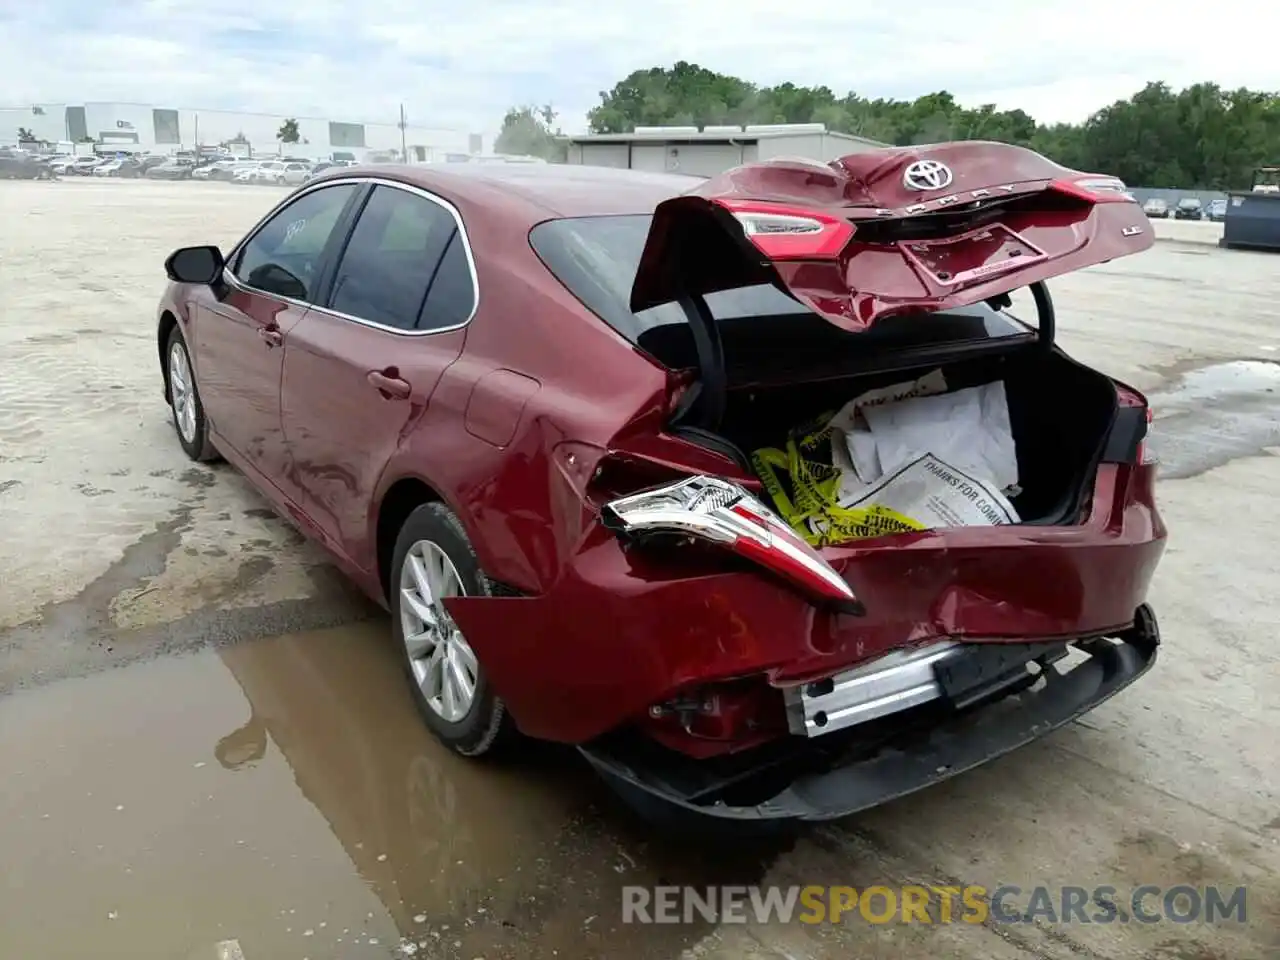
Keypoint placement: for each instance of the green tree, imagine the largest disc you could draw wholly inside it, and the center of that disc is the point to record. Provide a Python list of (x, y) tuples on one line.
[(531, 131), (25, 135), (288, 132), (1200, 137)]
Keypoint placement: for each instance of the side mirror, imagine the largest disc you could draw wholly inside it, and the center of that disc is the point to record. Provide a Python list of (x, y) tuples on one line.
[(194, 265)]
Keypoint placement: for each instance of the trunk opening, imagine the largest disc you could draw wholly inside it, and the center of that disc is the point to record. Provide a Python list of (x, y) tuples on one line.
[(1060, 413), (761, 377)]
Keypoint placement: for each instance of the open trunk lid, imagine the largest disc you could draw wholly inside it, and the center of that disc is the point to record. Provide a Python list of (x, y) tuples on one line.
[(903, 229)]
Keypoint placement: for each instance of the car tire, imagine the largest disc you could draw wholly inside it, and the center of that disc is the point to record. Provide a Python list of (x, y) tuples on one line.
[(184, 401), (433, 536)]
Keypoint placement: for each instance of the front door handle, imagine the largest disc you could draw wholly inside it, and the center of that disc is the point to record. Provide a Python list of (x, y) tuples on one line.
[(388, 383), (271, 336)]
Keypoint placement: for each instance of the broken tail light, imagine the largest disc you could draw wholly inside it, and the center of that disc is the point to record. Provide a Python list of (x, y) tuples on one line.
[(784, 232), (1131, 432), (721, 513), (1095, 189)]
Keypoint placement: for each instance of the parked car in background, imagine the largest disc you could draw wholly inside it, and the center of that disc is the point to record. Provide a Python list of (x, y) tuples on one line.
[(19, 165), (246, 171), (1189, 208), (122, 167), (179, 168), (1156, 209), (294, 173), (1217, 210), (324, 165), (84, 166), (152, 160), (269, 171), (217, 170), (489, 394)]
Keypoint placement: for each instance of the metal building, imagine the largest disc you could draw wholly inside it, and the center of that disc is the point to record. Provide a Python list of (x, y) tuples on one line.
[(711, 150), (146, 127)]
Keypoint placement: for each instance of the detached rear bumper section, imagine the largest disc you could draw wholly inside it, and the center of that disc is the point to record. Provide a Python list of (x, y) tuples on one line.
[(926, 717)]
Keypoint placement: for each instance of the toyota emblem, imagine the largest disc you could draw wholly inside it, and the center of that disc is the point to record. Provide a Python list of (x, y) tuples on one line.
[(927, 175)]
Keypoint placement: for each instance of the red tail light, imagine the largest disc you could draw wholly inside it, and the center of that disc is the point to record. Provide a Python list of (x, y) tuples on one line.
[(722, 513), (784, 232)]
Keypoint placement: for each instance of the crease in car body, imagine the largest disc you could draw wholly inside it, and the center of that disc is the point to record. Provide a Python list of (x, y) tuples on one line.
[(613, 566)]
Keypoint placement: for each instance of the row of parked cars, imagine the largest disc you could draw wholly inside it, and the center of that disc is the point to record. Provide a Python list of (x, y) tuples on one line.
[(1188, 208), (284, 171)]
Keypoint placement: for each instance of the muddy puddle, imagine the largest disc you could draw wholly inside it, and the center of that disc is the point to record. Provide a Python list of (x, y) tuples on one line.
[(1212, 415), (281, 799)]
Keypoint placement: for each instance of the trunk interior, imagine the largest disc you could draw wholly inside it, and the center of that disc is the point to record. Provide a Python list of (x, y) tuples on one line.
[(781, 376)]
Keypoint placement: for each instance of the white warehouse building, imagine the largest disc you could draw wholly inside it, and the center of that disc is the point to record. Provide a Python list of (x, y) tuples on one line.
[(711, 150), (147, 128)]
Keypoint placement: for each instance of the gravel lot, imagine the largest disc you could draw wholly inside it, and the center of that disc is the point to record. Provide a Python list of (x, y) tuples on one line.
[(327, 807)]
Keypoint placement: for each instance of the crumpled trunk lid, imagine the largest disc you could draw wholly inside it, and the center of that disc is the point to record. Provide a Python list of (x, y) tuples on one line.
[(904, 229)]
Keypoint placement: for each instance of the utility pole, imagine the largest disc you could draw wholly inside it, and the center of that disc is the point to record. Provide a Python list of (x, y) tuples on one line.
[(404, 151)]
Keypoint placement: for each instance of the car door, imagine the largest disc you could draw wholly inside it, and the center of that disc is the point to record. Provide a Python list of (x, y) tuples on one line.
[(240, 331), (360, 369)]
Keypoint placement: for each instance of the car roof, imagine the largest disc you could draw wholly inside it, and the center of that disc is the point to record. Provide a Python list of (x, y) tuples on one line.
[(534, 191)]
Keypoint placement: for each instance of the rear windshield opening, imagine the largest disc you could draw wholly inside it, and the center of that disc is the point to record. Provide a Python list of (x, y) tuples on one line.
[(596, 258)]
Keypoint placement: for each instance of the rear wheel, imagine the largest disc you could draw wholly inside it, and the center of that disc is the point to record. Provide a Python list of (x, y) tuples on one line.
[(184, 401), (434, 560)]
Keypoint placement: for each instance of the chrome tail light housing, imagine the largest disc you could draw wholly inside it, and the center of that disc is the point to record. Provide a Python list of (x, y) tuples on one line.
[(718, 512)]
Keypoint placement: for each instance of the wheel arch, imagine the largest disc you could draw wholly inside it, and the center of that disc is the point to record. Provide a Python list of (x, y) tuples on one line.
[(400, 499), (164, 330)]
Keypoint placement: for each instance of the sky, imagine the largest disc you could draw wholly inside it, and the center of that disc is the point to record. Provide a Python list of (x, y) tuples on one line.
[(459, 65)]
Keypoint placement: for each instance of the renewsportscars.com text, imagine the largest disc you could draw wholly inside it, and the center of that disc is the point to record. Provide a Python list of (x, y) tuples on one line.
[(935, 904)]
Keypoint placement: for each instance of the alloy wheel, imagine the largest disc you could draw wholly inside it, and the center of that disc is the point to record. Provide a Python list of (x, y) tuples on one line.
[(182, 392), (443, 663)]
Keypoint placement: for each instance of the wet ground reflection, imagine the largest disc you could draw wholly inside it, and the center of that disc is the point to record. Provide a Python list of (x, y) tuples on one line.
[(303, 811)]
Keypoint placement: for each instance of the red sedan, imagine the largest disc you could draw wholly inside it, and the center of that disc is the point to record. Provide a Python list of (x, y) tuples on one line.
[(532, 411)]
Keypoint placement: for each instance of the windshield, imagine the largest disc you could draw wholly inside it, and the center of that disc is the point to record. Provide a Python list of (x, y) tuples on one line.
[(1188, 202), (596, 258)]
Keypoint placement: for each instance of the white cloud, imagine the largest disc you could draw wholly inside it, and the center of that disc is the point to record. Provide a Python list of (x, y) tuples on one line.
[(460, 65)]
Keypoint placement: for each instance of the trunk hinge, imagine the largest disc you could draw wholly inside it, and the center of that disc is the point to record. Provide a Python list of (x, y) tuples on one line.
[(1045, 313), (703, 405)]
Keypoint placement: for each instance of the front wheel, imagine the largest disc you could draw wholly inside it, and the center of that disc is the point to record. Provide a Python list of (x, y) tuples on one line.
[(434, 560), (184, 400)]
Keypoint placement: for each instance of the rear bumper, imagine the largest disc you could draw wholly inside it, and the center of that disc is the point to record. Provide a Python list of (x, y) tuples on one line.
[(900, 763), (624, 629)]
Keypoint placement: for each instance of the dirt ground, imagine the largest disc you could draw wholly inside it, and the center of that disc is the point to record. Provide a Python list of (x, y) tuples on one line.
[(207, 751)]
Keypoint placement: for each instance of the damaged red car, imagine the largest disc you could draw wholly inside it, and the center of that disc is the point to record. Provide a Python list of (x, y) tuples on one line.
[(762, 490)]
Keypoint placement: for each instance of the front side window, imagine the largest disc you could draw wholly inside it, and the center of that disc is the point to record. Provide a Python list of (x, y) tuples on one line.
[(391, 258), (284, 256)]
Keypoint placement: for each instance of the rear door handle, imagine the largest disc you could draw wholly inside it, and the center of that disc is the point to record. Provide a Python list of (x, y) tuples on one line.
[(271, 336), (388, 383)]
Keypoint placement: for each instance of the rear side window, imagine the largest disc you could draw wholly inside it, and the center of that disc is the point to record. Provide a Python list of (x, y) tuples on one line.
[(391, 258), (596, 258), (452, 298)]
